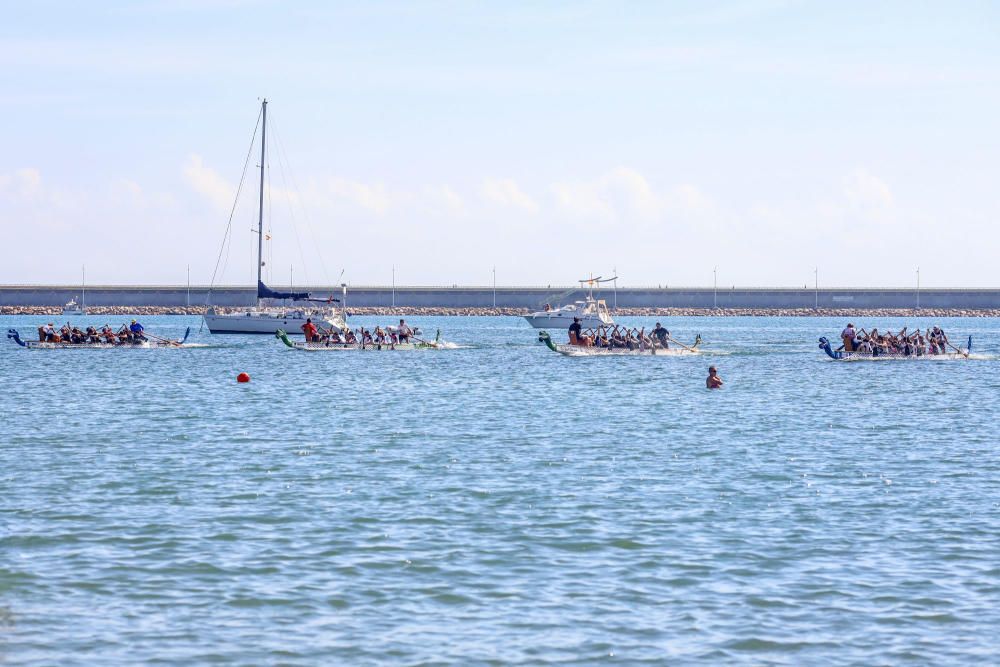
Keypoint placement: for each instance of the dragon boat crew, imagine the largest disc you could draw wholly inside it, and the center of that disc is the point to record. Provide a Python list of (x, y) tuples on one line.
[(859, 343)]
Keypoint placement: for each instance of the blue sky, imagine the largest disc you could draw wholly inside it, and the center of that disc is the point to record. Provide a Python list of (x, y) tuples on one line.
[(548, 139)]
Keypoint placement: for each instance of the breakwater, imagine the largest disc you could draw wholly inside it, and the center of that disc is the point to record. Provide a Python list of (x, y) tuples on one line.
[(516, 299)]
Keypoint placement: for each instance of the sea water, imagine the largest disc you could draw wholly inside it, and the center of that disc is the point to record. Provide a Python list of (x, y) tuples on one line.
[(499, 503)]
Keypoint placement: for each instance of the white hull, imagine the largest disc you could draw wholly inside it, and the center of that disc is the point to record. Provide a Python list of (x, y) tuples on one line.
[(267, 322), (74, 313), (579, 351), (557, 320)]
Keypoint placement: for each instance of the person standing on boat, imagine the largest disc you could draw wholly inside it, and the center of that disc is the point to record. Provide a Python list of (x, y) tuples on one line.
[(713, 381), (661, 335), (404, 332), (848, 335), (576, 332), (137, 329), (50, 332), (310, 331)]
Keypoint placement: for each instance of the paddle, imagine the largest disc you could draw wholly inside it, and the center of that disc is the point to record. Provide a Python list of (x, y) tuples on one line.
[(168, 341), (673, 340), (948, 343), (425, 342)]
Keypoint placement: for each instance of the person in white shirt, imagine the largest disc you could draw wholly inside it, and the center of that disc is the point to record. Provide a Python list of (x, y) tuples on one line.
[(404, 332), (848, 335)]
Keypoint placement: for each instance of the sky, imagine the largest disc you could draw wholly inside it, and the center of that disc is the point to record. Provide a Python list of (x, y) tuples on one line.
[(762, 142)]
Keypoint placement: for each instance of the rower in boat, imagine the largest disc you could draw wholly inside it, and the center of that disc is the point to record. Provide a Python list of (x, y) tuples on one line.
[(661, 335), (137, 330), (404, 332)]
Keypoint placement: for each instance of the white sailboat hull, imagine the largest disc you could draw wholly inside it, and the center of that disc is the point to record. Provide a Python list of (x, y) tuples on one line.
[(267, 322)]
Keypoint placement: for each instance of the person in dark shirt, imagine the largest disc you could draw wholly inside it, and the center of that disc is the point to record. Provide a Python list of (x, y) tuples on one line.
[(575, 335), (661, 335)]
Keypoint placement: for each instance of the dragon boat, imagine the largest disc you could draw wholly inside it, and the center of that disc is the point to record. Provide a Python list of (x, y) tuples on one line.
[(327, 346), (844, 355), (150, 342), (644, 349)]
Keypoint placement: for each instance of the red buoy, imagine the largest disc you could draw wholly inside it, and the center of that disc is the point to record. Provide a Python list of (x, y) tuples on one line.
[(243, 377)]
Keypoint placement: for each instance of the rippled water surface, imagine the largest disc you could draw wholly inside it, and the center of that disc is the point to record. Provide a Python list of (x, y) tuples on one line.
[(500, 503)]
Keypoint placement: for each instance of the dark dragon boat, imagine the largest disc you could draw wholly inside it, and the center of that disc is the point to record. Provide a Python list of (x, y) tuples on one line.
[(152, 341), (874, 354)]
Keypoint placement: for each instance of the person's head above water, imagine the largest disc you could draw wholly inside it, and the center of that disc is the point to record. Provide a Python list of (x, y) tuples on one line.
[(711, 370)]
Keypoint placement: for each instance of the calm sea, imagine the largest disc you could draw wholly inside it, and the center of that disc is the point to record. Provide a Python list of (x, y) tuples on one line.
[(499, 503)]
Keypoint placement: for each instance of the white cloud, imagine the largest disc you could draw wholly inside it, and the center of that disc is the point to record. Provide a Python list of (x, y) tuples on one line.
[(625, 194), (372, 198), (505, 192), (867, 194), (209, 183)]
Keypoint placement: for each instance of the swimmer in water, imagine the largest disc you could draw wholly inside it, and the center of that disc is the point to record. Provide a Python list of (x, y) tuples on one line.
[(713, 381)]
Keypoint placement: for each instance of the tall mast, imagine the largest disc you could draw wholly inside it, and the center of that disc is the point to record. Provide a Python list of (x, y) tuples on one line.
[(260, 213)]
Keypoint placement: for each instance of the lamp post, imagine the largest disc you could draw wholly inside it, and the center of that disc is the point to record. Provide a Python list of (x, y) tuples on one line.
[(715, 287), (393, 285), (816, 273), (189, 287), (494, 286), (614, 286), (918, 288)]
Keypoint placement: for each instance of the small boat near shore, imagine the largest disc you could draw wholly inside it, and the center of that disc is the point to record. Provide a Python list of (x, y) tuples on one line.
[(877, 355), (151, 341), (637, 349), (358, 346)]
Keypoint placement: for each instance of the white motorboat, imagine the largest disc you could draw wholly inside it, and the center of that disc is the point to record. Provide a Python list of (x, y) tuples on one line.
[(591, 312), (73, 309), (262, 319)]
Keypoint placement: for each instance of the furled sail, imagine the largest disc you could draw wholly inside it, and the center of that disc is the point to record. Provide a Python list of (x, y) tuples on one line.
[(265, 292)]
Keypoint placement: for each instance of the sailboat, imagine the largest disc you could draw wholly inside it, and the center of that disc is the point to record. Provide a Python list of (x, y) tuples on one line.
[(259, 318), (74, 309)]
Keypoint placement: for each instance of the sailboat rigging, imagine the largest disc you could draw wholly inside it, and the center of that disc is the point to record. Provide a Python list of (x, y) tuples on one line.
[(261, 319)]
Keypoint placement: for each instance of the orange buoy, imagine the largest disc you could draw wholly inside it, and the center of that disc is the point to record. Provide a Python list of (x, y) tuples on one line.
[(243, 377)]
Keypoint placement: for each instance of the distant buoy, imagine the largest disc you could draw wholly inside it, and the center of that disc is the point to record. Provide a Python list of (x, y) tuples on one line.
[(243, 377)]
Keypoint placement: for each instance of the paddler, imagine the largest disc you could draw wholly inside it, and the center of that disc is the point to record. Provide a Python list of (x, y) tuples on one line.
[(713, 381), (137, 329), (310, 331), (661, 335), (404, 332)]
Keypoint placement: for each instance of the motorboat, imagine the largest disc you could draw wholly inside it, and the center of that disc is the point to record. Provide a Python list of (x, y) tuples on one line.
[(591, 312)]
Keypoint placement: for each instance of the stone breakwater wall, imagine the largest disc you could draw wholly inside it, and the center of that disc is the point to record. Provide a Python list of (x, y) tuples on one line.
[(428, 311)]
